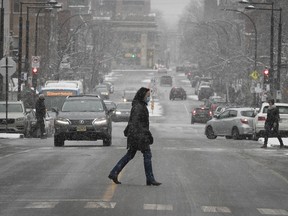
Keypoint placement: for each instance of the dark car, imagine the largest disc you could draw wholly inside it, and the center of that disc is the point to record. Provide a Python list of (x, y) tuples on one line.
[(205, 92), (177, 92), (83, 117), (122, 112), (201, 114), (166, 81), (102, 91), (128, 94)]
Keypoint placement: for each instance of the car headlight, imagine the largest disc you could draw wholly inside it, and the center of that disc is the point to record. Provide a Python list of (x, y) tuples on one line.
[(118, 113), (20, 119), (100, 121), (62, 121)]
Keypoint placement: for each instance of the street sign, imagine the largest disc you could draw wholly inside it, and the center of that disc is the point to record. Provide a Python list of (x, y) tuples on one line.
[(11, 66), (35, 62), (255, 75)]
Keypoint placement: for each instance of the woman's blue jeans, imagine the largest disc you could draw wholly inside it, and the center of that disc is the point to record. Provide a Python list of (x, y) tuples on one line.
[(147, 155)]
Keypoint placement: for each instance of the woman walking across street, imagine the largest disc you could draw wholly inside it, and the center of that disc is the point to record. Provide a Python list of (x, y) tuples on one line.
[(272, 124), (139, 138)]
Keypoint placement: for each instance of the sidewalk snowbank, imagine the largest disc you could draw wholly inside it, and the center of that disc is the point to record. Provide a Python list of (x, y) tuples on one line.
[(10, 136)]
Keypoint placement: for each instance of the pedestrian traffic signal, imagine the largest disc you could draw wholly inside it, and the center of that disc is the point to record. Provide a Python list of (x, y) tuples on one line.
[(34, 71), (266, 75)]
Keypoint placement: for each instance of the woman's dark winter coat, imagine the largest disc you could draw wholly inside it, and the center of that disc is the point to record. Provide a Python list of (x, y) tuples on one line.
[(272, 120), (138, 134)]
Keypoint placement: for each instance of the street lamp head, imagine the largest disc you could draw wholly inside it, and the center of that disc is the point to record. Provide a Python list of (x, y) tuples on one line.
[(250, 7), (244, 2), (52, 2)]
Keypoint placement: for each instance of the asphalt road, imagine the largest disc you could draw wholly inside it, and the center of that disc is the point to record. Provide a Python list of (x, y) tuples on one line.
[(199, 176)]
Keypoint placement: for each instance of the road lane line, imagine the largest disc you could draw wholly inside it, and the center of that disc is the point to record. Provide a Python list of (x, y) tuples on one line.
[(109, 193), (187, 110), (158, 207), (42, 205)]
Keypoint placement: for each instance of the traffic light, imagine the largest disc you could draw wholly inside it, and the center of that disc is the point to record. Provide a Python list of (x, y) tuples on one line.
[(34, 71), (266, 75)]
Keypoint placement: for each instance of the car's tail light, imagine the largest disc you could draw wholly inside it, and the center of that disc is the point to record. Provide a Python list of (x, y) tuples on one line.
[(261, 118), (194, 112), (210, 113), (244, 121)]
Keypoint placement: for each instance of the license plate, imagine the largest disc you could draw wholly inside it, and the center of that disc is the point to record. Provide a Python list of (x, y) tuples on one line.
[(81, 128)]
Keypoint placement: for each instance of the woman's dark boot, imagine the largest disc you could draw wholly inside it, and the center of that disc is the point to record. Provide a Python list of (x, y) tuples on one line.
[(114, 179), (150, 180)]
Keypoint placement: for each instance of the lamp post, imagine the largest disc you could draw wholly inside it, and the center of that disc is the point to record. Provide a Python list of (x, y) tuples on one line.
[(276, 84), (50, 2), (2, 31)]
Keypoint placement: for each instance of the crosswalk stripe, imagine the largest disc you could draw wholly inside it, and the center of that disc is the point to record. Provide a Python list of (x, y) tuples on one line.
[(42, 205), (215, 209), (100, 205), (158, 207), (266, 211)]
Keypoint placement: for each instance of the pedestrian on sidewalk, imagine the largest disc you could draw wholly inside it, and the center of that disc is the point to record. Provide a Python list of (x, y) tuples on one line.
[(272, 124), (139, 138)]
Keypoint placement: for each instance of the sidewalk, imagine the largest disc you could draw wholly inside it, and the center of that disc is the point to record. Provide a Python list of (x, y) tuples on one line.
[(10, 136)]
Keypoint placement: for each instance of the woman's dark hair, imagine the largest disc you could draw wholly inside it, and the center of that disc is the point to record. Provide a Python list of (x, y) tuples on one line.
[(139, 96), (271, 101)]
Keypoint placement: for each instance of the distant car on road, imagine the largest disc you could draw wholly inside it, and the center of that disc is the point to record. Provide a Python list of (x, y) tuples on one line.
[(162, 70), (205, 92), (128, 94), (236, 123), (177, 92), (102, 91), (166, 80), (201, 114), (122, 112)]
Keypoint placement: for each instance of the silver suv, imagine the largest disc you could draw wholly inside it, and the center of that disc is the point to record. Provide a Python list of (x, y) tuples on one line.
[(17, 117), (83, 117)]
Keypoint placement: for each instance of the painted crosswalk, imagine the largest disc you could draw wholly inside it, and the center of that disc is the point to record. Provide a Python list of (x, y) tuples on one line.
[(100, 204)]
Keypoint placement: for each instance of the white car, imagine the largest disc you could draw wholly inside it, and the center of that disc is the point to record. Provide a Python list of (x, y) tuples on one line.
[(236, 123), (261, 116)]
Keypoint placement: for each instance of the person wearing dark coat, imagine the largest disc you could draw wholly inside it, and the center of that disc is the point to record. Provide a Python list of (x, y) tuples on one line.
[(139, 138), (40, 114), (272, 124)]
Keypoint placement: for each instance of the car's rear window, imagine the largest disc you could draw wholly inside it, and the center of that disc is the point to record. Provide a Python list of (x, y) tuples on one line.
[(248, 113), (82, 106), (11, 108), (282, 109), (202, 110)]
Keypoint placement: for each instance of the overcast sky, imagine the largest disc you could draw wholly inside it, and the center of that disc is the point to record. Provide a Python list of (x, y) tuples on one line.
[(171, 9)]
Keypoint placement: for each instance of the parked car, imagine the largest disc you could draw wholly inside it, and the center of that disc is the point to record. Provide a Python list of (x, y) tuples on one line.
[(202, 81), (83, 117), (205, 92), (236, 123), (129, 94), (177, 92), (166, 81), (17, 117), (122, 112), (102, 91), (201, 114), (261, 116), (33, 129)]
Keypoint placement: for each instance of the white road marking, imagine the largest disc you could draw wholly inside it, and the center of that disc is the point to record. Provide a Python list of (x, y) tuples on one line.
[(266, 211), (100, 205), (158, 207), (215, 209), (42, 205)]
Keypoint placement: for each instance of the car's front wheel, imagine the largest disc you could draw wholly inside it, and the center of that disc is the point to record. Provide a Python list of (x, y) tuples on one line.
[(58, 141), (210, 133)]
